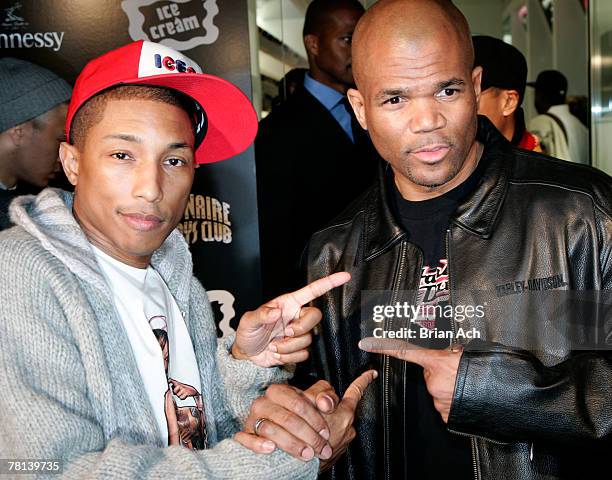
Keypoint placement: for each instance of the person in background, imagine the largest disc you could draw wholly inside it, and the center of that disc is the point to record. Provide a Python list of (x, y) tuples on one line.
[(34, 103), (579, 107), (562, 135), (293, 80), (504, 78), (311, 155)]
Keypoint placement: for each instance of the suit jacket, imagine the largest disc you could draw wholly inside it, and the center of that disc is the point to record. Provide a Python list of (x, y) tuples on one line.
[(308, 171)]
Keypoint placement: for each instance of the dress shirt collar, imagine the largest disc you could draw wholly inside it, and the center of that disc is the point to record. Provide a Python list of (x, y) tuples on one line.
[(324, 94)]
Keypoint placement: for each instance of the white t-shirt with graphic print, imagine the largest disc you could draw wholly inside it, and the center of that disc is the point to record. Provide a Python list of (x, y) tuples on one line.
[(162, 348)]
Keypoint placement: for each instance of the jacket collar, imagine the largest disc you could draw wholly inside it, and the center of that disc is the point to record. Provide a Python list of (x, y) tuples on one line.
[(477, 213), (381, 230)]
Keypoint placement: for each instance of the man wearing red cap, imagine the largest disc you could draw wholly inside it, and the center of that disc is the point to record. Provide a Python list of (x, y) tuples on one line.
[(109, 345)]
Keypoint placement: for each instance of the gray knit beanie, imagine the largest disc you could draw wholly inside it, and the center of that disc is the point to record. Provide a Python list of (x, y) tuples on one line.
[(27, 91)]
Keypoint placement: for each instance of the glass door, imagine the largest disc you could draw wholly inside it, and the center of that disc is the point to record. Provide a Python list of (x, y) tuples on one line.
[(600, 16)]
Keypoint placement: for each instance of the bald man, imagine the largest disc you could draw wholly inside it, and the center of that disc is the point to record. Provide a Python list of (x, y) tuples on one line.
[(464, 258)]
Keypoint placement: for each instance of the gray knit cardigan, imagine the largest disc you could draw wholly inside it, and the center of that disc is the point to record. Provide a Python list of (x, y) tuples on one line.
[(69, 385)]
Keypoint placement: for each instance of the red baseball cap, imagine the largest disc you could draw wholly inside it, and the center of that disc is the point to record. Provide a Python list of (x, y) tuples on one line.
[(227, 122)]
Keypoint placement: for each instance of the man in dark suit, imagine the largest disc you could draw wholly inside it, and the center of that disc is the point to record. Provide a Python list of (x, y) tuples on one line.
[(312, 157)]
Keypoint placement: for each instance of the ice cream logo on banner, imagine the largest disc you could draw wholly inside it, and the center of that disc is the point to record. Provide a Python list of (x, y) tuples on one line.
[(178, 24)]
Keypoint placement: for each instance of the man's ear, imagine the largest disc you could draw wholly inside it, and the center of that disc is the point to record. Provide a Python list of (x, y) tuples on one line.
[(17, 134), (311, 43), (511, 102), (69, 156), (477, 81), (357, 102)]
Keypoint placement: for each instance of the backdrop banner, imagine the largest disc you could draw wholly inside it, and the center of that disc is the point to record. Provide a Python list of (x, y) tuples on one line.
[(220, 222)]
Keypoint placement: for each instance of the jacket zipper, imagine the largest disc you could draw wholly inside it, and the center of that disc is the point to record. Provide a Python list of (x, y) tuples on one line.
[(475, 458), (386, 366), (450, 287), (475, 465)]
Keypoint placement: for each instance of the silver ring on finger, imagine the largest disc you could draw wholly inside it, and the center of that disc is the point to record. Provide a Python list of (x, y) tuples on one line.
[(258, 423)]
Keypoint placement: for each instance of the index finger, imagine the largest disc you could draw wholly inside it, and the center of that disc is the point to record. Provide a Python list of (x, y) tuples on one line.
[(401, 349), (356, 389), (319, 287)]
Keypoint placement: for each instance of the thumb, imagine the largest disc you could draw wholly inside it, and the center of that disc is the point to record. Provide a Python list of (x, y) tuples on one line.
[(269, 314), (264, 315), (356, 389)]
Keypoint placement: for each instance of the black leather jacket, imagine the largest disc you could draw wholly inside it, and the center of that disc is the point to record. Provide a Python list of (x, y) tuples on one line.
[(535, 392)]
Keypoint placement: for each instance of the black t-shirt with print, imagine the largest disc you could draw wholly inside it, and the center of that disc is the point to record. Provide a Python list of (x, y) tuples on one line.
[(434, 452)]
